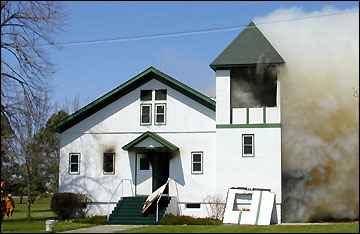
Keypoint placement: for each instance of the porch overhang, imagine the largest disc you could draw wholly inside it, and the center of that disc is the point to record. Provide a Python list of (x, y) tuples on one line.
[(150, 141)]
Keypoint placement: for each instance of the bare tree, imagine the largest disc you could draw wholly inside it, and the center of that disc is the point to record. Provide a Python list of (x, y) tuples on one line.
[(26, 26), (215, 206), (27, 152)]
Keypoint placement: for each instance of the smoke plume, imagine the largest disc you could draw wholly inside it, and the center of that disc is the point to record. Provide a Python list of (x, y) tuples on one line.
[(320, 111)]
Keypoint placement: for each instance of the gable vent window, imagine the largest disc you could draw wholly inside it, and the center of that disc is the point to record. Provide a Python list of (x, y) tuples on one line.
[(160, 94), (146, 95), (109, 163), (248, 145), (74, 163), (160, 113)]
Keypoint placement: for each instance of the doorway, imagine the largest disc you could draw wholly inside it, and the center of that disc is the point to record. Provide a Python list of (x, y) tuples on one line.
[(152, 171)]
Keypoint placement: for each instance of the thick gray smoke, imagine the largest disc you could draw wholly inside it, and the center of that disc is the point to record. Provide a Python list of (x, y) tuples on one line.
[(320, 113)]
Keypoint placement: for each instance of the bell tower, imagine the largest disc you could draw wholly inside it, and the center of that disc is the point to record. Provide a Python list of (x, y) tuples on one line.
[(248, 121)]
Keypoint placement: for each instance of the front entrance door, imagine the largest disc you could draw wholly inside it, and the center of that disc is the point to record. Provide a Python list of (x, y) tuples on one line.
[(152, 171), (143, 175)]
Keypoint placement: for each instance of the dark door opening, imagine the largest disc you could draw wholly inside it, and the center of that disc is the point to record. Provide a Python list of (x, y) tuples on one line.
[(160, 172)]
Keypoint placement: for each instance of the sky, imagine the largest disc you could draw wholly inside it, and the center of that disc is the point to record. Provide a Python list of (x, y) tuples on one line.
[(106, 43)]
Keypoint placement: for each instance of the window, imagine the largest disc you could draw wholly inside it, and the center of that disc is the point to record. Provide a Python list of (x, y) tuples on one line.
[(160, 113), (109, 163), (242, 201), (160, 94), (248, 145), (193, 206), (145, 114), (196, 163), (74, 163), (144, 164), (146, 95)]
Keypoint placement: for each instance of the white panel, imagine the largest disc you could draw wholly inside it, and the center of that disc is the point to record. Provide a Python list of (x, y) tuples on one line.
[(256, 116), (239, 115), (272, 115), (267, 204), (149, 142)]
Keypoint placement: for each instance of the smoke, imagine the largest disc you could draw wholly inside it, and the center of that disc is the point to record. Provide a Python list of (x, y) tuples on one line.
[(320, 113)]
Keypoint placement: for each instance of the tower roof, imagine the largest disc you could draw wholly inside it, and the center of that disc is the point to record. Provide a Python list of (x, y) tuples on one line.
[(250, 47)]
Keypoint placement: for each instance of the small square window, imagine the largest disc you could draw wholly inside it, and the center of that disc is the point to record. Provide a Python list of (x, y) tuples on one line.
[(196, 163), (109, 163), (144, 164), (146, 95), (74, 163), (145, 114), (160, 94), (248, 145)]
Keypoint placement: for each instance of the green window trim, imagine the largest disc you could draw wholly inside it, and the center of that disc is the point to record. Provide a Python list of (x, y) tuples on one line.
[(269, 125), (201, 162), (113, 163), (156, 114), (252, 146), (141, 114), (78, 164)]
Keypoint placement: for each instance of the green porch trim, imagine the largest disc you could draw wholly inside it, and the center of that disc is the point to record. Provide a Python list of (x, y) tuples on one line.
[(127, 87), (269, 125), (259, 206), (153, 136), (247, 115), (264, 114)]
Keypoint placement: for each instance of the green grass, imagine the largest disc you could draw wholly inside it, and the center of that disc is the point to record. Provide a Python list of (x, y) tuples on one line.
[(333, 228), (40, 211)]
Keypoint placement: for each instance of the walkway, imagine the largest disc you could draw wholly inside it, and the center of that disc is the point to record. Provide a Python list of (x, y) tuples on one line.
[(104, 229)]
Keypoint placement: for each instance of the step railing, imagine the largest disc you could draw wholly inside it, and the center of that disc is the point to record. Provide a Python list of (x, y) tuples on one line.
[(122, 193), (157, 202)]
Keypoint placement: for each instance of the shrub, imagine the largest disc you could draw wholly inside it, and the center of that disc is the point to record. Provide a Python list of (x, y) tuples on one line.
[(98, 219), (70, 205), (171, 219)]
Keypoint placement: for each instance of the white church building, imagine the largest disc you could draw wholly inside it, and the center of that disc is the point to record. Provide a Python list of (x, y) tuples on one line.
[(153, 129)]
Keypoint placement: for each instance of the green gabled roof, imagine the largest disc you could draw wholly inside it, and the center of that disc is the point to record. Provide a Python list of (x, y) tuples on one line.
[(250, 47), (154, 136), (130, 85)]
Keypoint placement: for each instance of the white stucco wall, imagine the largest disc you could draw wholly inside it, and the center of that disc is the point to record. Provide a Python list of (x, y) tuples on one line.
[(263, 170), (189, 125), (223, 96)]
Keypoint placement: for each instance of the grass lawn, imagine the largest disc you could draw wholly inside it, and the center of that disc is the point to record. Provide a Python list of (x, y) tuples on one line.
[(333, 228), (40, 211)]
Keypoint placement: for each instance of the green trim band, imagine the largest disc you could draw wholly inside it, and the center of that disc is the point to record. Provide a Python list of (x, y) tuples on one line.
[(264, 115), (258, 210), (247, 115), (155, 137), (273, 125), (239, 219)]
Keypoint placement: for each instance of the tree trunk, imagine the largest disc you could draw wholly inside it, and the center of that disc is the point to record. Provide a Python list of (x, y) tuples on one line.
[(21, 197), (28, 200)]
